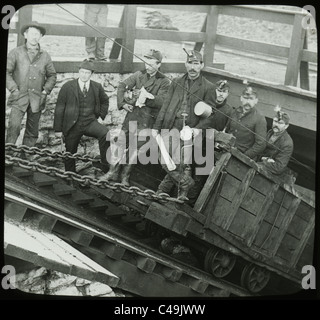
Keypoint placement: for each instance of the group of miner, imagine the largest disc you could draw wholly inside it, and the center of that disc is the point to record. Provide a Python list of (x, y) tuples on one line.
[(150, 99)]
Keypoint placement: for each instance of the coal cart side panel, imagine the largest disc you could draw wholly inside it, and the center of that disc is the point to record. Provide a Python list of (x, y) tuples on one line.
[(258, 214)]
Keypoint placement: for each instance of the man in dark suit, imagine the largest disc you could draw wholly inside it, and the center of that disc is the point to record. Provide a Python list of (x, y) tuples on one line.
[(177, 112), (80, 103)]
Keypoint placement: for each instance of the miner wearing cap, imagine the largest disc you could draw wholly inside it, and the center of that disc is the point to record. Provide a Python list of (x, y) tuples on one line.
[(80, 103), (279, 148), (141, 95), (31, 76), (177, 112), (248, 126)]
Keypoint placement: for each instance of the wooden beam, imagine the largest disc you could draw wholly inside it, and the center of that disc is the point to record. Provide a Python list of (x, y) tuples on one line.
[(206, 190), (211, 35), (241, 192), (254, 46), (116, 48), (304, 68), (82, 31), (309, 56), (191, 8), (258, 13), (198, 45), (295, 53), (129, 35), (169, 35), (25, 17)]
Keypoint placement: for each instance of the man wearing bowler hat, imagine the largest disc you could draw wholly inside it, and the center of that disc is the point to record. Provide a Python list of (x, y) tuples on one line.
[(30, 78), (177, 112), (248, 126), (80, 103)]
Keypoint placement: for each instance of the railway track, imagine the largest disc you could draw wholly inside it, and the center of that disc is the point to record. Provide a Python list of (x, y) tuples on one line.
[(108, 233)]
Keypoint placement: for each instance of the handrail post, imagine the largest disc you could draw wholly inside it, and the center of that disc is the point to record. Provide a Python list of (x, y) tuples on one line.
[(211, 35), (295, 52), (128, 38), (25, 17), (304, 68)]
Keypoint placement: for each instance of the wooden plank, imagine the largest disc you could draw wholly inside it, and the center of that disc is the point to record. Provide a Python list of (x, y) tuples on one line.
[(42, 180), (253, 201), (306, 257), (213, 199), (212, 24), (253, 46), (295, 53), (304, 68), (309, 56), (229, 187), (82, 31), (116, 47), (241, 192), (213, 176), (14, 211), (305, 238), (169, 35), (181, 8), (297, 227), (73, 66), (25, 17), (255, 226), (258, 13), (284, 225), (128, 38), (198, 45)]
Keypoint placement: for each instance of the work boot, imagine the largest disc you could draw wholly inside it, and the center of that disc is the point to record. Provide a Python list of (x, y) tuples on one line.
[(112, 174), (165, 185), (125, 174), (186, 183)]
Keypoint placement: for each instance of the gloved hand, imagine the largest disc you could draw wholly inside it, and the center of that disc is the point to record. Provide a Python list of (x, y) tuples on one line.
[(128, 107)]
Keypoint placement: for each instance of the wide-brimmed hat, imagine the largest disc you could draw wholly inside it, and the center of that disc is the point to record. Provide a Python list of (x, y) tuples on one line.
[(33, 24), (88, 65)]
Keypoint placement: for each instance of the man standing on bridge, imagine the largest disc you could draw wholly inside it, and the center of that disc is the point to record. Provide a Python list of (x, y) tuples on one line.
[(31, 76), (177, 112), (80, 103)]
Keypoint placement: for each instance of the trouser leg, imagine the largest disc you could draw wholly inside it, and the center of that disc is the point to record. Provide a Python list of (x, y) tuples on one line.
[(14, 125), (32, 128), (72, 140)]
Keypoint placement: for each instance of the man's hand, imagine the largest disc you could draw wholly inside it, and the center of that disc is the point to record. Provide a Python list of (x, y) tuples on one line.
[(195, 131), (128, 107), (154, 132), (136, 93), (58, 135)]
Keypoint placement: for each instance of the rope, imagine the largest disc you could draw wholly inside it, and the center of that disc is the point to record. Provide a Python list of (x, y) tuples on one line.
[(216, 109)]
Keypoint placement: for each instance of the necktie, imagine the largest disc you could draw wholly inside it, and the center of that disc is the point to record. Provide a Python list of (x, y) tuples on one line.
[(84, 91)]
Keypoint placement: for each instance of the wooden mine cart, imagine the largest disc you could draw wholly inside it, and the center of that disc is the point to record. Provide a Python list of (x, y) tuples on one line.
[(244, 213)]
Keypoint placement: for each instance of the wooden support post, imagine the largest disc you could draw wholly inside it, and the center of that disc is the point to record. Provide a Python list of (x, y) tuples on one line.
[(211, 35), (295, 52), (198, 45), (25, 17), (304, 68), (128, 38), (115, 50)]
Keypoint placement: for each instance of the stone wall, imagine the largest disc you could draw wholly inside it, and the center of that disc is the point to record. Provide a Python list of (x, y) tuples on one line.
[(87, 145)]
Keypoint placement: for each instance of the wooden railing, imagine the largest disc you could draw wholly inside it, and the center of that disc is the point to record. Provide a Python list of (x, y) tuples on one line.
[(298, 56)]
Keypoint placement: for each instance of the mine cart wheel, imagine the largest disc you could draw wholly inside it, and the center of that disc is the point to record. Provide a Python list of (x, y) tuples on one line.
[(153, 230), (254, 278), (219, 262)]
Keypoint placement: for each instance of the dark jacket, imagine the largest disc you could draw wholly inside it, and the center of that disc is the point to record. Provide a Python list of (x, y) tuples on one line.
[(202, 90), (280, 151), (250, 132), (158, 86), (30, 77), (67, 107), (219, 118)]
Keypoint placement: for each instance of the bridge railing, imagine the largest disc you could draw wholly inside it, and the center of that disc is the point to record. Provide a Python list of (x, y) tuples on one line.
[(297, 55)]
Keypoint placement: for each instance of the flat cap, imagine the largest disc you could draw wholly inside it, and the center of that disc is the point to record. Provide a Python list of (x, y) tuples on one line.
[(193, 55), (222, 85), (154, 54)]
